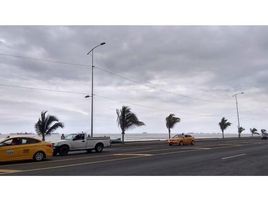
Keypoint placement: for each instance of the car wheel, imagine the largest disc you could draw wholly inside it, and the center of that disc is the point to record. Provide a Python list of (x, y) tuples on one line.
[(181, 143), (39, 156), (63, 150), (99, 147), (170, 144), (192, 143)]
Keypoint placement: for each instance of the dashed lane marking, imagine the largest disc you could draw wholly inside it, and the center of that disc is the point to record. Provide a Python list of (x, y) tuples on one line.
[(3, 171), (234, 156), (132, 154)]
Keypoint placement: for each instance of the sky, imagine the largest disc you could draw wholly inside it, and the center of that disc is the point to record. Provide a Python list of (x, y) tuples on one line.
[(191, 71)]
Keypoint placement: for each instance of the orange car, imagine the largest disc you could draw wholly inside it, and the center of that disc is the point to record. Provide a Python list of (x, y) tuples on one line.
[(181, 140), (24, 148)]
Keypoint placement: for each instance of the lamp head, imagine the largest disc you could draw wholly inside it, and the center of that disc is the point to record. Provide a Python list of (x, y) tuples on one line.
[(103, 43)]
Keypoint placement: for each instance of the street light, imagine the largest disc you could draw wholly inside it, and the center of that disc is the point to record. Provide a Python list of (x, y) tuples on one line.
[(238, 120), (92, 66)]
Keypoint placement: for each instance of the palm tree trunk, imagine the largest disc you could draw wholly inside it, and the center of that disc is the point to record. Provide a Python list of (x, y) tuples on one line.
[(169, 133), (43, 136), (222, 134), (123, 137)]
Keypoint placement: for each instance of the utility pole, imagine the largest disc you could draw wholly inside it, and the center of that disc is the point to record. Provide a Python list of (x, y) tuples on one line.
[(92, 83), (237, 112)]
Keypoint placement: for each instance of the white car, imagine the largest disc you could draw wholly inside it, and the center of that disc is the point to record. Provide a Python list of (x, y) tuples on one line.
[(77, 142)]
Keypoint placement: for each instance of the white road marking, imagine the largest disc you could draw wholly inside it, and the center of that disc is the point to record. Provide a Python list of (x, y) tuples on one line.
[(234, 156), (132, 154), (8, 171)]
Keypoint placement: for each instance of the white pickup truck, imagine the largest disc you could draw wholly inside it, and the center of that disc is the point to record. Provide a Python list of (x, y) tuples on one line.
[(77, 142)]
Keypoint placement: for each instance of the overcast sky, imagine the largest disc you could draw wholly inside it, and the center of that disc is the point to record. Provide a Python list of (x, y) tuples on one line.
[(186, 70)]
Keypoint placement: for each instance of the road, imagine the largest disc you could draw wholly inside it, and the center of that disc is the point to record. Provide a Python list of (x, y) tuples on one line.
[(244, 156)]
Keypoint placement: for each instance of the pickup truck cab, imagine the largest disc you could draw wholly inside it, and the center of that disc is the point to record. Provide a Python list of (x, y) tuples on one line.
[(77, 142)]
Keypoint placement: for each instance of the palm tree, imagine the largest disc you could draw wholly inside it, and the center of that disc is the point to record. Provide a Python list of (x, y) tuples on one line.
[(223, 125), (47, 124), (171, 120), (254, 131), (240, 130), (127, 119)]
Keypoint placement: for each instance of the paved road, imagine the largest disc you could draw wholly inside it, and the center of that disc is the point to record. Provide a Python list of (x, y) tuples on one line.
[(245, 156)]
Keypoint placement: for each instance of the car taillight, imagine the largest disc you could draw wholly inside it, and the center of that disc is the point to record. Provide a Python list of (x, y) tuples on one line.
[(50, 145)]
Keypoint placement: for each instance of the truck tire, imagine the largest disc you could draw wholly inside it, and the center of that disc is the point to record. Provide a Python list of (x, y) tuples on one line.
[(39, 156), (99, 147), (63, 150)]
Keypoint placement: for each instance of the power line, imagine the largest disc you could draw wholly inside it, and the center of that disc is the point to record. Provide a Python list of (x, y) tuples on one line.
[(105, 70), (45, 89), (44, 60), (104, 97)]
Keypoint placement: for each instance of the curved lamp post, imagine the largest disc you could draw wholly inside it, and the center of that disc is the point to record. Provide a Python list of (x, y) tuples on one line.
[(238, 120), (92, 66)]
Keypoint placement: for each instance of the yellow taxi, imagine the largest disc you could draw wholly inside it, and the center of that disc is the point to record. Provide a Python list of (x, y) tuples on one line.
[(181, 139), (24, 148)]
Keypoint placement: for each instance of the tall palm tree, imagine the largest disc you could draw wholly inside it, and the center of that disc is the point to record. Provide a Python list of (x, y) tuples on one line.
[(223, 125), (47, 124), (263, 131), (240, 130), (171, 120), (254, 131), (127, 119)]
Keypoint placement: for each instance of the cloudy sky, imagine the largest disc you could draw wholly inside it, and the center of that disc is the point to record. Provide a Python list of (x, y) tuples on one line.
[(190, 71)]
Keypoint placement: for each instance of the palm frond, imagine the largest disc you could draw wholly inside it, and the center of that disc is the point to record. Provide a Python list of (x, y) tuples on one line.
[(54, 127), (171, 120), (127, 119)]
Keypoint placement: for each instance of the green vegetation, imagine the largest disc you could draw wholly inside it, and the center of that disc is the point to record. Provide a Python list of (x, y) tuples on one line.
[(127, 119), (254, 131), (240, 130), (47, 124), (171, 120), (223, 125)]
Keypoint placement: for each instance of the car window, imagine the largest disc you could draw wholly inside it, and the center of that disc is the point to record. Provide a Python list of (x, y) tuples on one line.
[(11, 141), (31, 141), (6, 142), (79, 137), (70, 137)]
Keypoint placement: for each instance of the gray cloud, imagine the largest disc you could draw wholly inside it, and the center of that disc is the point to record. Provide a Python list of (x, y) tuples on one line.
[(191, 71)]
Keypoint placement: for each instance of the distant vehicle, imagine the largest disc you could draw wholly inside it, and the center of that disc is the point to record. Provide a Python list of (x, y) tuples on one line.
[(181, 140), (117, 140), (77, 142), (24, 148)]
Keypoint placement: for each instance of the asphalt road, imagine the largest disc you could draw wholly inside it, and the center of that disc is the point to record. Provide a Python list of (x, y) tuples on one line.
[(245, 156)]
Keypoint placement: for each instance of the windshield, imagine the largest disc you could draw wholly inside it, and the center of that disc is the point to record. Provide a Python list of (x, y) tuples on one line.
[(2, 140), (70, 137), (178, 135)]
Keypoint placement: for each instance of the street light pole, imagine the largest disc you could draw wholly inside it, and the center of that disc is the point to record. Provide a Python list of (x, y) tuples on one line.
[(92, 67), (237, 112)]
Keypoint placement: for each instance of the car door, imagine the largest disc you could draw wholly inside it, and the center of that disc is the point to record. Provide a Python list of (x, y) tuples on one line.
[(185, 139), (9, 151), (188, 139), (25, 149), (78, 142)]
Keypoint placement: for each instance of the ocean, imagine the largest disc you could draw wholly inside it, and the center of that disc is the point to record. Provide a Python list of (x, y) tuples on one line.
[(142, 137)]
